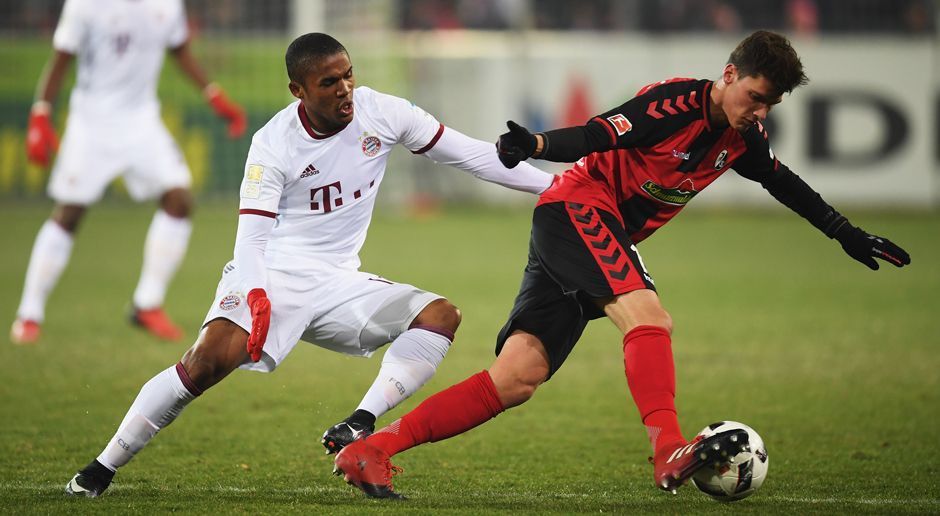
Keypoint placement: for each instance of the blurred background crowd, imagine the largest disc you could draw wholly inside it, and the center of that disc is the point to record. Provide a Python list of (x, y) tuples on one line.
[(656, 16), (546, 63)]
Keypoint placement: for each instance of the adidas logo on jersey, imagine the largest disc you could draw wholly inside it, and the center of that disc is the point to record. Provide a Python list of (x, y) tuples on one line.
[(309, 171)]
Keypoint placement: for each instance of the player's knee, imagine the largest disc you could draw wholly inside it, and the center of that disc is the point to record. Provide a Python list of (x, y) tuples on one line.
[(666, 321), (441, 313), (177, 203), (68, 216), (519, 389), (218, 351), (659, 317)]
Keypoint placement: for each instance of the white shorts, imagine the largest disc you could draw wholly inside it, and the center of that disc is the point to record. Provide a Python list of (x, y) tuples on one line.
[(94, 153), (348, 311)]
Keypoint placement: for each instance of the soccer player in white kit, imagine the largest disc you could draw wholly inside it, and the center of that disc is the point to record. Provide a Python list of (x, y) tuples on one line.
[(114, 128), (310, 184)]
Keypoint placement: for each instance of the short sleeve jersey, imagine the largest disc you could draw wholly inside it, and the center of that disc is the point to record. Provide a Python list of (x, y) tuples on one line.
[(664, 152), (120, 46), (322, 188)]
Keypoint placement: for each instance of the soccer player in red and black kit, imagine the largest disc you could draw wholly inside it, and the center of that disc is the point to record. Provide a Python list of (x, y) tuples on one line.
[(638, 166)]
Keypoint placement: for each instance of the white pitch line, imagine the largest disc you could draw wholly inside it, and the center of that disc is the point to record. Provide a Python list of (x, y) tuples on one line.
[(859, 501), (930, 502)]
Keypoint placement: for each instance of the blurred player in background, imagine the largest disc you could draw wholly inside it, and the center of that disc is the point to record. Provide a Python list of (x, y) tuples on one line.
[(311, 180), (114, 128), (638, 165)]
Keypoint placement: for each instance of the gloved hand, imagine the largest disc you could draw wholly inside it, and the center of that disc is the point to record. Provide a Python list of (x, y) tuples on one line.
[(516, 145), (225, 108), (41, 140), (260, 308), (865, 248)]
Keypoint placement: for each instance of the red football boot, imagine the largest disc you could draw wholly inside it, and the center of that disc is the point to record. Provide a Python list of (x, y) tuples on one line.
[(157, 323), (24, 331), (367, 468), (675, 464)]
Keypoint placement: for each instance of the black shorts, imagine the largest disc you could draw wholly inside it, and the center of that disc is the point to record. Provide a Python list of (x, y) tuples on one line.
[(577, 255)]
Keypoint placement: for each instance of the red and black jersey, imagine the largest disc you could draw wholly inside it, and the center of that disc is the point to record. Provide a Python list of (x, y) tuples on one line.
[(650, 156)]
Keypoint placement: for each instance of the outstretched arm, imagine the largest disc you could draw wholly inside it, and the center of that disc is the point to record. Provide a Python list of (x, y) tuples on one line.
[(475, 156), (41, 139), (760, 164), (561, 145), (794, 193), (215, 96)]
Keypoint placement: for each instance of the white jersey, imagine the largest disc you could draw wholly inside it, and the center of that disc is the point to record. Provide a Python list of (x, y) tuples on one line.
[(120, 46), (322, 188)]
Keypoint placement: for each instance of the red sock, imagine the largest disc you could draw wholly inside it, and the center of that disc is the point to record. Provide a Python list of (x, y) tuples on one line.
[(450, 412), (651, 375)]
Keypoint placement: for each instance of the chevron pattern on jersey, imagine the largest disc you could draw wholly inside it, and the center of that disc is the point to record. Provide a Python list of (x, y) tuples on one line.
[(607, 251), (662, 108)]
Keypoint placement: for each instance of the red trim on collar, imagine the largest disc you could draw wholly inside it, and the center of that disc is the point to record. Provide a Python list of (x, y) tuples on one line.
[(422, 150), (304, 121)]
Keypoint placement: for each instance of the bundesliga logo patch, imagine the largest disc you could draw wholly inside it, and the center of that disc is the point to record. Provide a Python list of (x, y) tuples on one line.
[(621, 124), (230, 302), (371, 146)]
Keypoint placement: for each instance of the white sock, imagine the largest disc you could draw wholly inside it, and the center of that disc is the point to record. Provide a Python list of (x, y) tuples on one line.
[(50, 255), (409, 363), (159, 402), (164, 249)]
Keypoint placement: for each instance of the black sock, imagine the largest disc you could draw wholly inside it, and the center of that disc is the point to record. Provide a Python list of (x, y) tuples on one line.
[(362, 418), (98, 470)]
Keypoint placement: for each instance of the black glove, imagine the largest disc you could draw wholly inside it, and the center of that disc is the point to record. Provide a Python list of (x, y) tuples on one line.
[(865, 248), (515, 146)]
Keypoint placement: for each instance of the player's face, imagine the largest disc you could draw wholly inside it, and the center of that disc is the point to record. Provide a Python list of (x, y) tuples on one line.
[(327, 93), (746, 100)]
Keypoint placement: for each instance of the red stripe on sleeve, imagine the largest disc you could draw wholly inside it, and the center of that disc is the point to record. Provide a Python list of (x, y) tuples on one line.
[(257, 212), (422, 150), (610, 130)]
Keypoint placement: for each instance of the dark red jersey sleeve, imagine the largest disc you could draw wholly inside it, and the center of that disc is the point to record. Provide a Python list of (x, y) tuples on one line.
[(759, 163), (656, 113)]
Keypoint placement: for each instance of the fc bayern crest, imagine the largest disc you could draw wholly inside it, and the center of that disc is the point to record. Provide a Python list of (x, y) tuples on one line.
[(229, 302), (371, 146)]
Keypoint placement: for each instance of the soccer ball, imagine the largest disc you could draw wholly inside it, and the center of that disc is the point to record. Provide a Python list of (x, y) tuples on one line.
[(739, 479)]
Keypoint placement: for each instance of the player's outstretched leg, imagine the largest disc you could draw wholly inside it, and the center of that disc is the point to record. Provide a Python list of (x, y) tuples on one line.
[(365, 464), (157, 405), (360, 424), (220, 349), (674, 465), (368, 468)]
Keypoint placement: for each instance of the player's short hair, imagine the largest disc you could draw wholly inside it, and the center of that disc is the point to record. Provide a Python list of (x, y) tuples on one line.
[(306, 51), (770, 55)]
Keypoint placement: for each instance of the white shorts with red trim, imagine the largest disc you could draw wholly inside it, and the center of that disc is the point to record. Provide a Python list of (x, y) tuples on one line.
[(347, 311), (94, 153)]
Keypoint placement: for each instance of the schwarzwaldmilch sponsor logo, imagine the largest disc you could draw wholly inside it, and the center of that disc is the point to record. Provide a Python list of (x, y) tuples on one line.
[(309, 171), (371, 146), (677, 196), (229, 302)]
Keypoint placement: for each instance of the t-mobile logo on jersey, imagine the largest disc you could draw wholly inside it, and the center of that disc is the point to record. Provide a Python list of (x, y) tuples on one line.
[(326, 198), (323, 196)]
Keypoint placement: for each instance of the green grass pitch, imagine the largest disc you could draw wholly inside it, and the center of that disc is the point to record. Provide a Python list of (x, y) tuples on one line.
[(836, 366)]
